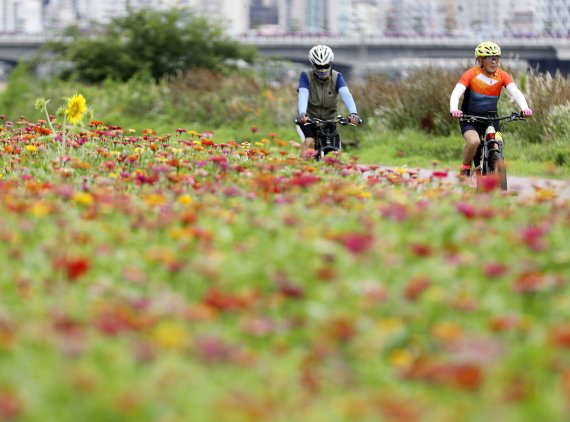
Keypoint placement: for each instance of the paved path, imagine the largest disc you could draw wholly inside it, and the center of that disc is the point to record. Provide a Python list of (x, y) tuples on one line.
[(522, 186), (530, 185)]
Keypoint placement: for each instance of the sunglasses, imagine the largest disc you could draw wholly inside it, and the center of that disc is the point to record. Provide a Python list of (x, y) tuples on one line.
[(322, 66), (491, 58)]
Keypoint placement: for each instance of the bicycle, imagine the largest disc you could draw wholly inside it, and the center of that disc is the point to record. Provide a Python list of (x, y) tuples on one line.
[(327, 137), (489, 159)]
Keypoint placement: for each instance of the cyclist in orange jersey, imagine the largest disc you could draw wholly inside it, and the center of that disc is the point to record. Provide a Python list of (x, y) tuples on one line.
[(482, 87)]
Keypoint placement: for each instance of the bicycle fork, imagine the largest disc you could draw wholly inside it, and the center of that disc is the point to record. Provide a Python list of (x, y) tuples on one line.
[(492, 141)]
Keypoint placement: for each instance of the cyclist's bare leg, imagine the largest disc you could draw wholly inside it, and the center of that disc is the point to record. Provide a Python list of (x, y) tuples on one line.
[(471, 144), (308, 143)]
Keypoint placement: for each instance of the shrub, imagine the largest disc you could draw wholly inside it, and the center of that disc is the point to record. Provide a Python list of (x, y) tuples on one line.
[(426, 104), (379, 99), (557, 123), (204, 95), (163, 42), (421, 101), (546, 93)]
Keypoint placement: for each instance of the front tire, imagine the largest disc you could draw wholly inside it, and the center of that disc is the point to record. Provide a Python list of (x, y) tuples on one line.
[(498, 168)]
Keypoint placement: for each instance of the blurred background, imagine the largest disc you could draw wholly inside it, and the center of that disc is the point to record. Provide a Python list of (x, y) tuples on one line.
[(535, 33), (491, 18)]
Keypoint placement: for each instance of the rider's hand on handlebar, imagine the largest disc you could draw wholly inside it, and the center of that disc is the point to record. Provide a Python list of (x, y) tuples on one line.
[(302, 118), (354, 118), (456, 114), (527, 112)]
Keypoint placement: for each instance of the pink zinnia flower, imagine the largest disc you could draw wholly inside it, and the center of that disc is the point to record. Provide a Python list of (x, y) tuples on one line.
[(358, 242)]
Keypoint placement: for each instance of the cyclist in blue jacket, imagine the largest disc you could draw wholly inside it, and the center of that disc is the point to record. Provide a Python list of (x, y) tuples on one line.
[(318, 91)]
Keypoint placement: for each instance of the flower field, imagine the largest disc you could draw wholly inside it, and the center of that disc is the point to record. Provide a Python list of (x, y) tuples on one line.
[(180, 277)]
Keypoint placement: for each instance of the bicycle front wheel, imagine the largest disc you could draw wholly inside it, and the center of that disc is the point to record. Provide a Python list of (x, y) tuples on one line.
[(498, 168)]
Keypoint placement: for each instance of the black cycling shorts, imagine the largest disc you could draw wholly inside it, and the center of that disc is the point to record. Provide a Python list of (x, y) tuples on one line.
[(309, 130), (480, 127)]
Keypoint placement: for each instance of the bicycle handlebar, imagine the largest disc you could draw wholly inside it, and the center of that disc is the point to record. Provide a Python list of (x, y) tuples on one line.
[(344, 121), (515, 115)]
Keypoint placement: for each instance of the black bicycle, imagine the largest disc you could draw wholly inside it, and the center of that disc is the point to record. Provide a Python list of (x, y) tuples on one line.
[(489, 159), (327, 138)]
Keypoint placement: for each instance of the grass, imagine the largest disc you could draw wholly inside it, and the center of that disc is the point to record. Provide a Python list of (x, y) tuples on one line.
[(410, 148), (415, 149)]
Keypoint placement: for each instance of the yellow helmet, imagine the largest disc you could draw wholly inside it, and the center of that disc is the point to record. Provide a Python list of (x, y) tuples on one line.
[(486, 49)]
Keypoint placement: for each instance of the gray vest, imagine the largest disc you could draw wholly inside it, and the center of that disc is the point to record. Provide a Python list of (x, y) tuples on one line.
[(323, 96)]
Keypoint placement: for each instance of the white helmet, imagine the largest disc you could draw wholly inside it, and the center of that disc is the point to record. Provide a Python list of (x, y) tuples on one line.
[(321, 55)]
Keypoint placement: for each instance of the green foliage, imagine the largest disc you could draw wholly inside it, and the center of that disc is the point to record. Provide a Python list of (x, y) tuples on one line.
[(427, 109), (206, 96), (160, 42), (546, 93), (380, 100), (19, 91), (417, 102), (557, 123), (412, 143)]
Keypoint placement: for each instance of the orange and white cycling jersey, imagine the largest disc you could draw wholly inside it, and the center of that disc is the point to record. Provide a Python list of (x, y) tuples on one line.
[(483, 90)]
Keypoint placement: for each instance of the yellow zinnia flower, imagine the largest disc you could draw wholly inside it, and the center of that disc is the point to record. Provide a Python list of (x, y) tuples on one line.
[(171, 335), (401, 358), (83, 198), (185, 199), (76, 106)]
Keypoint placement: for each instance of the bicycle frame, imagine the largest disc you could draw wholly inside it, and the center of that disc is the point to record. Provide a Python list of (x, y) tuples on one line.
[(327, 137), (489, 159)]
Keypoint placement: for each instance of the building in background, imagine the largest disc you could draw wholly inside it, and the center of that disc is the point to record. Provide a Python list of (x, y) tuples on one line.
[(491, 18), (520, 17), (367, 17), (21, 16), (41, 16), (232, 15), (317, 16), (553, 17), (264, 16), (475, 18), (409, 17), (308, 16), (482, 18)]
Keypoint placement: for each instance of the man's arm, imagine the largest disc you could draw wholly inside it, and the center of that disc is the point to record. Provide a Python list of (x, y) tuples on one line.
[(348, 100), (345, 94), (303, 100), (454, 98), (517, 95)]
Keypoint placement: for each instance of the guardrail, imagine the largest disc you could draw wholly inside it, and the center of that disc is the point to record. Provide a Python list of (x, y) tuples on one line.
[(12, 38), (381, 39), (7, 38)]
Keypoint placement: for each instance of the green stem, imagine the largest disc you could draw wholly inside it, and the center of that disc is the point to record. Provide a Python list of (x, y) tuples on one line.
[(49, 120), (63, 136)]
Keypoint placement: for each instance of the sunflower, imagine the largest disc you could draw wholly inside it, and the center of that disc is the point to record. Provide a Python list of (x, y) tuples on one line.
[(76, 106)]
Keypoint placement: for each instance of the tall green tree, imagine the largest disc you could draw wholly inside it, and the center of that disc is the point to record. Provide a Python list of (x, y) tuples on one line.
[(161, 43)]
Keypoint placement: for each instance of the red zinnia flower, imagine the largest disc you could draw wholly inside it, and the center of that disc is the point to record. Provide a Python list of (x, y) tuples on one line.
[(76, 267)]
